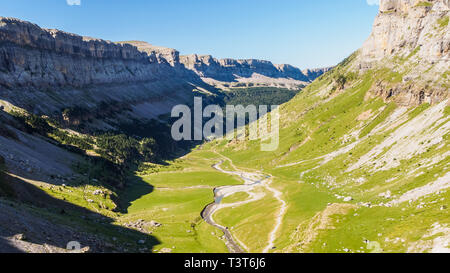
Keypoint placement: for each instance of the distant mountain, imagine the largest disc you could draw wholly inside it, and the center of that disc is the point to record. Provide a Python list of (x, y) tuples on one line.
[(225, 73)]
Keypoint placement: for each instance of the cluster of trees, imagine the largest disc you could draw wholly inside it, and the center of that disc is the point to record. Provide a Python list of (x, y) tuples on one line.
[(132, 143), (160, 132), (74, 112), (125, 150), (259, 96), (65, 138), (120, 151), (33, 123), (76, 115)]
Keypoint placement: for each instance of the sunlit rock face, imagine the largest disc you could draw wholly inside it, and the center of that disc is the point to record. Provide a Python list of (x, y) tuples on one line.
[(412, 39), (405, 24)]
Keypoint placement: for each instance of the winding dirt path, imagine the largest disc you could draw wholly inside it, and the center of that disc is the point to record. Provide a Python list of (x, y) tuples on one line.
[(273, 235), (252, 180)]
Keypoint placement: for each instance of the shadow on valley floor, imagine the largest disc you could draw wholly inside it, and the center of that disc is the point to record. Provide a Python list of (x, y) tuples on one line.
[(32, 156), (48, 224), (136, 187)]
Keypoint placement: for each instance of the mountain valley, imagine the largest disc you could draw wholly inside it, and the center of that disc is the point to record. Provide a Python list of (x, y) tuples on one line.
[(86, 153)]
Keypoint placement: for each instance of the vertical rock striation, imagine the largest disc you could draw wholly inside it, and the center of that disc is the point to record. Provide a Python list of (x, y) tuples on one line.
[(411, 39)]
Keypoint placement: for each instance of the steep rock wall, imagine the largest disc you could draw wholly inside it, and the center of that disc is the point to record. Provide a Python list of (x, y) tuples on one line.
[(411, 39), (45, 71)]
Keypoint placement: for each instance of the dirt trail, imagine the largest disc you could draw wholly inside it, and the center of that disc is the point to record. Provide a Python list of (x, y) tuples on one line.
[(273, 235), (252, 180)]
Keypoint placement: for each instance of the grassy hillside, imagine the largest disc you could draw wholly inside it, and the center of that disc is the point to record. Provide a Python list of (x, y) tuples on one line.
[(359, 174), (338, 141)]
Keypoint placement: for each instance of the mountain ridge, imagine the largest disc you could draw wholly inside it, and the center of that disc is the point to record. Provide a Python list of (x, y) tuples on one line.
[(67, 70), (227, 70)]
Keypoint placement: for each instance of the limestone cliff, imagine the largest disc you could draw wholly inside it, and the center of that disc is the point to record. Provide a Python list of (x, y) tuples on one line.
[(250, 72), (47, 71), (224, 73), (411, 38)]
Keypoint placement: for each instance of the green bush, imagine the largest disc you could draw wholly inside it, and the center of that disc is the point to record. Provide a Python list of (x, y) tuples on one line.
[(341, 80)]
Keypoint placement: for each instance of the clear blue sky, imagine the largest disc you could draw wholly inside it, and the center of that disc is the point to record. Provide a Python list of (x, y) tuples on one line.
[(304, 33)]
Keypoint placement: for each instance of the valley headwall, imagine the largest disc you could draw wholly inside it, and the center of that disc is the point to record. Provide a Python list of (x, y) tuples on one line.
[(226, 73)]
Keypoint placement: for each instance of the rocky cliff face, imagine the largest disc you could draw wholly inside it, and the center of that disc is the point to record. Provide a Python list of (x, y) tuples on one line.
[(227, 70), (250, 72), (225, 73), (46, 71), (162, 54), (411, 38), (66, 70), (403, 25), (315, 73), (37, 57)]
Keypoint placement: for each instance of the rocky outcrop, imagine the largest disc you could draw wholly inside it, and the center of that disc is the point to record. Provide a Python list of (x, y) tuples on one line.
[(411, 38), (163, 54), (404, 25), (228, 69), (37, 57), (315, 73)]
